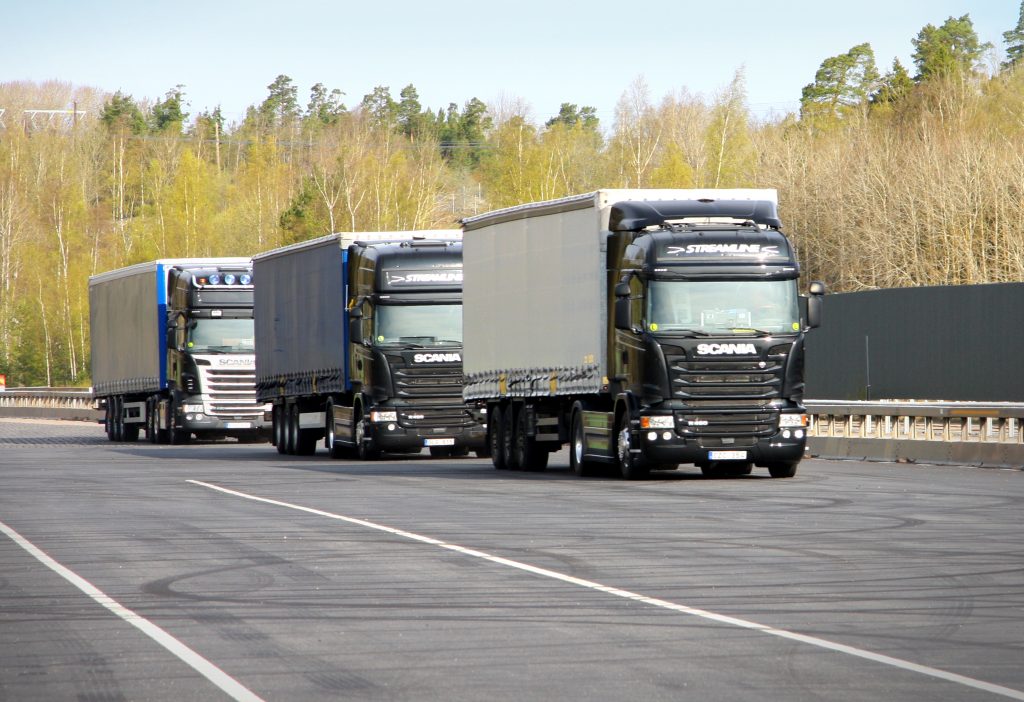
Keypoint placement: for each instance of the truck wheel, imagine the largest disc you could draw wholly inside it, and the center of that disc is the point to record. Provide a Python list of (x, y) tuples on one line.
[(495, 440), (108, 419), (175, 434), (527, 454), (579, 465), (631, 467), (305, 439), (291, 429), (335, 449), (117, 432), (277, 421), (782, 470), (508, 436), (364, 442)]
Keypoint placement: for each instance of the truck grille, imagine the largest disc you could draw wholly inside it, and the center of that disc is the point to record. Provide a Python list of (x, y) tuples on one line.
[(230, 393), (727, 398), (434, 416), (433, 382)]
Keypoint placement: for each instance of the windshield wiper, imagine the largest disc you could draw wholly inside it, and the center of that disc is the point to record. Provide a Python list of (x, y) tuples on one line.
[(687, 332)]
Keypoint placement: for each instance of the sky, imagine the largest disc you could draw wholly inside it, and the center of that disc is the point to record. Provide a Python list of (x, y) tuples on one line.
[(531, 52)]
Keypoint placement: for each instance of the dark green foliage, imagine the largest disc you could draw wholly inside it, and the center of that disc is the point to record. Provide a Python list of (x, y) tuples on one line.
[(381, 108), (841, 83), (569, 115), (894, 86), (122, 114), (324, 108), (462, 135), (1015, 42), (304, 218), (167, 116), (281, 106), (949, 50)]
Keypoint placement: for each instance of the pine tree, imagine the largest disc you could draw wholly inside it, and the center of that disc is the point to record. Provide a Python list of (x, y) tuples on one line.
[(1015, 41)]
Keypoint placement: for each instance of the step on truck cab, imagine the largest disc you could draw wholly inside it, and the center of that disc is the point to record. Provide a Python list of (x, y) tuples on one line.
[(173, 352), (359, 343), (645, 328)]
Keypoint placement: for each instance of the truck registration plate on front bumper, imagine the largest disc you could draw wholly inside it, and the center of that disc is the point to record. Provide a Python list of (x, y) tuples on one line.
[(238, 425), (447, 441), (727, 455)]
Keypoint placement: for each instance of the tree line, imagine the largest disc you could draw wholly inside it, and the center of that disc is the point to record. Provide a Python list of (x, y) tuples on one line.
[(912, 176)]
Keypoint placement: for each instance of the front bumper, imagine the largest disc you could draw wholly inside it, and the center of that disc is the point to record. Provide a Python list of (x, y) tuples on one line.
[(675, 449), (390, 436), (200, 423)]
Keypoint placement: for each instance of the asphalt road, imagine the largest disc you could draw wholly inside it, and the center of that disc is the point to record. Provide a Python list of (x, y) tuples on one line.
[(220, 571)]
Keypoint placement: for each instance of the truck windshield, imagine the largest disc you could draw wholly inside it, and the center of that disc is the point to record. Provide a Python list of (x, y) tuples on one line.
[(221, 336), (723, 307), (418, 325)]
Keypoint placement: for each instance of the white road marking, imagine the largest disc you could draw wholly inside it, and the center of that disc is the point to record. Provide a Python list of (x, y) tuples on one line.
[(204, 667), (653, 601)]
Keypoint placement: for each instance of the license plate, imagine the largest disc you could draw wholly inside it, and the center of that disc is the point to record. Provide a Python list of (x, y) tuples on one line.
[(727, 455), (450, 441), (238, 425)]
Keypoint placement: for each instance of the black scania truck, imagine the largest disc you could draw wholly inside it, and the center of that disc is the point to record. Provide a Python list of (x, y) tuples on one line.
[(359, 342), (645, 328)]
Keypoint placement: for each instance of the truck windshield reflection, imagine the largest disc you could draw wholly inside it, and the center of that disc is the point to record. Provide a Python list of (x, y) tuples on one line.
[(221, 336), (418, 325), (723, 307)]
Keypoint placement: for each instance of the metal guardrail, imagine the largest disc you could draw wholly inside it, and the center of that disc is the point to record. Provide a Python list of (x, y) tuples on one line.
[(969, 433), (52, 403), (963, 433)]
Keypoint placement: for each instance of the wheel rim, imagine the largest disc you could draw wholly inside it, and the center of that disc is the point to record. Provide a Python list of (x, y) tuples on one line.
[(624, 447), (577, 440), (360, 433)]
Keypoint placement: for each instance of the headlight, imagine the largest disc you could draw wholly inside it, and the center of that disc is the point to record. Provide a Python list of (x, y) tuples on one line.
[(793, 420), (192, 408), (384, 416), (663, 422)]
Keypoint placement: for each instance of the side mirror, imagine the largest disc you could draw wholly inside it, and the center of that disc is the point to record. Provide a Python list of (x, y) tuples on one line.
[(815, 304), (623, 315)]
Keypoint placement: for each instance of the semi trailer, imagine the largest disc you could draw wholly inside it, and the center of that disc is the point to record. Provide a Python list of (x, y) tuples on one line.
[(643, 328), (172, 350), (359, 342)]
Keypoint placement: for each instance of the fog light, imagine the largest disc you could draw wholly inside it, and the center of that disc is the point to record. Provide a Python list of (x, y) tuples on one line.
[(799, 433), (785, 434), (652, 436), (667, 435), (391, 427), (189, 417)]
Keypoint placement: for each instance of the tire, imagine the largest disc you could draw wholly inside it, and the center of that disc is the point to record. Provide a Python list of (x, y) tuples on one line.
[(108, 419), (305, 439), (335, 449), (277, 420), (508, 436), (365, 448), (630, 466), (291, 428), (527, 454), (579, 465), (174, 434), (782, 470), (118, 423), (726, 469), (495, 438)]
